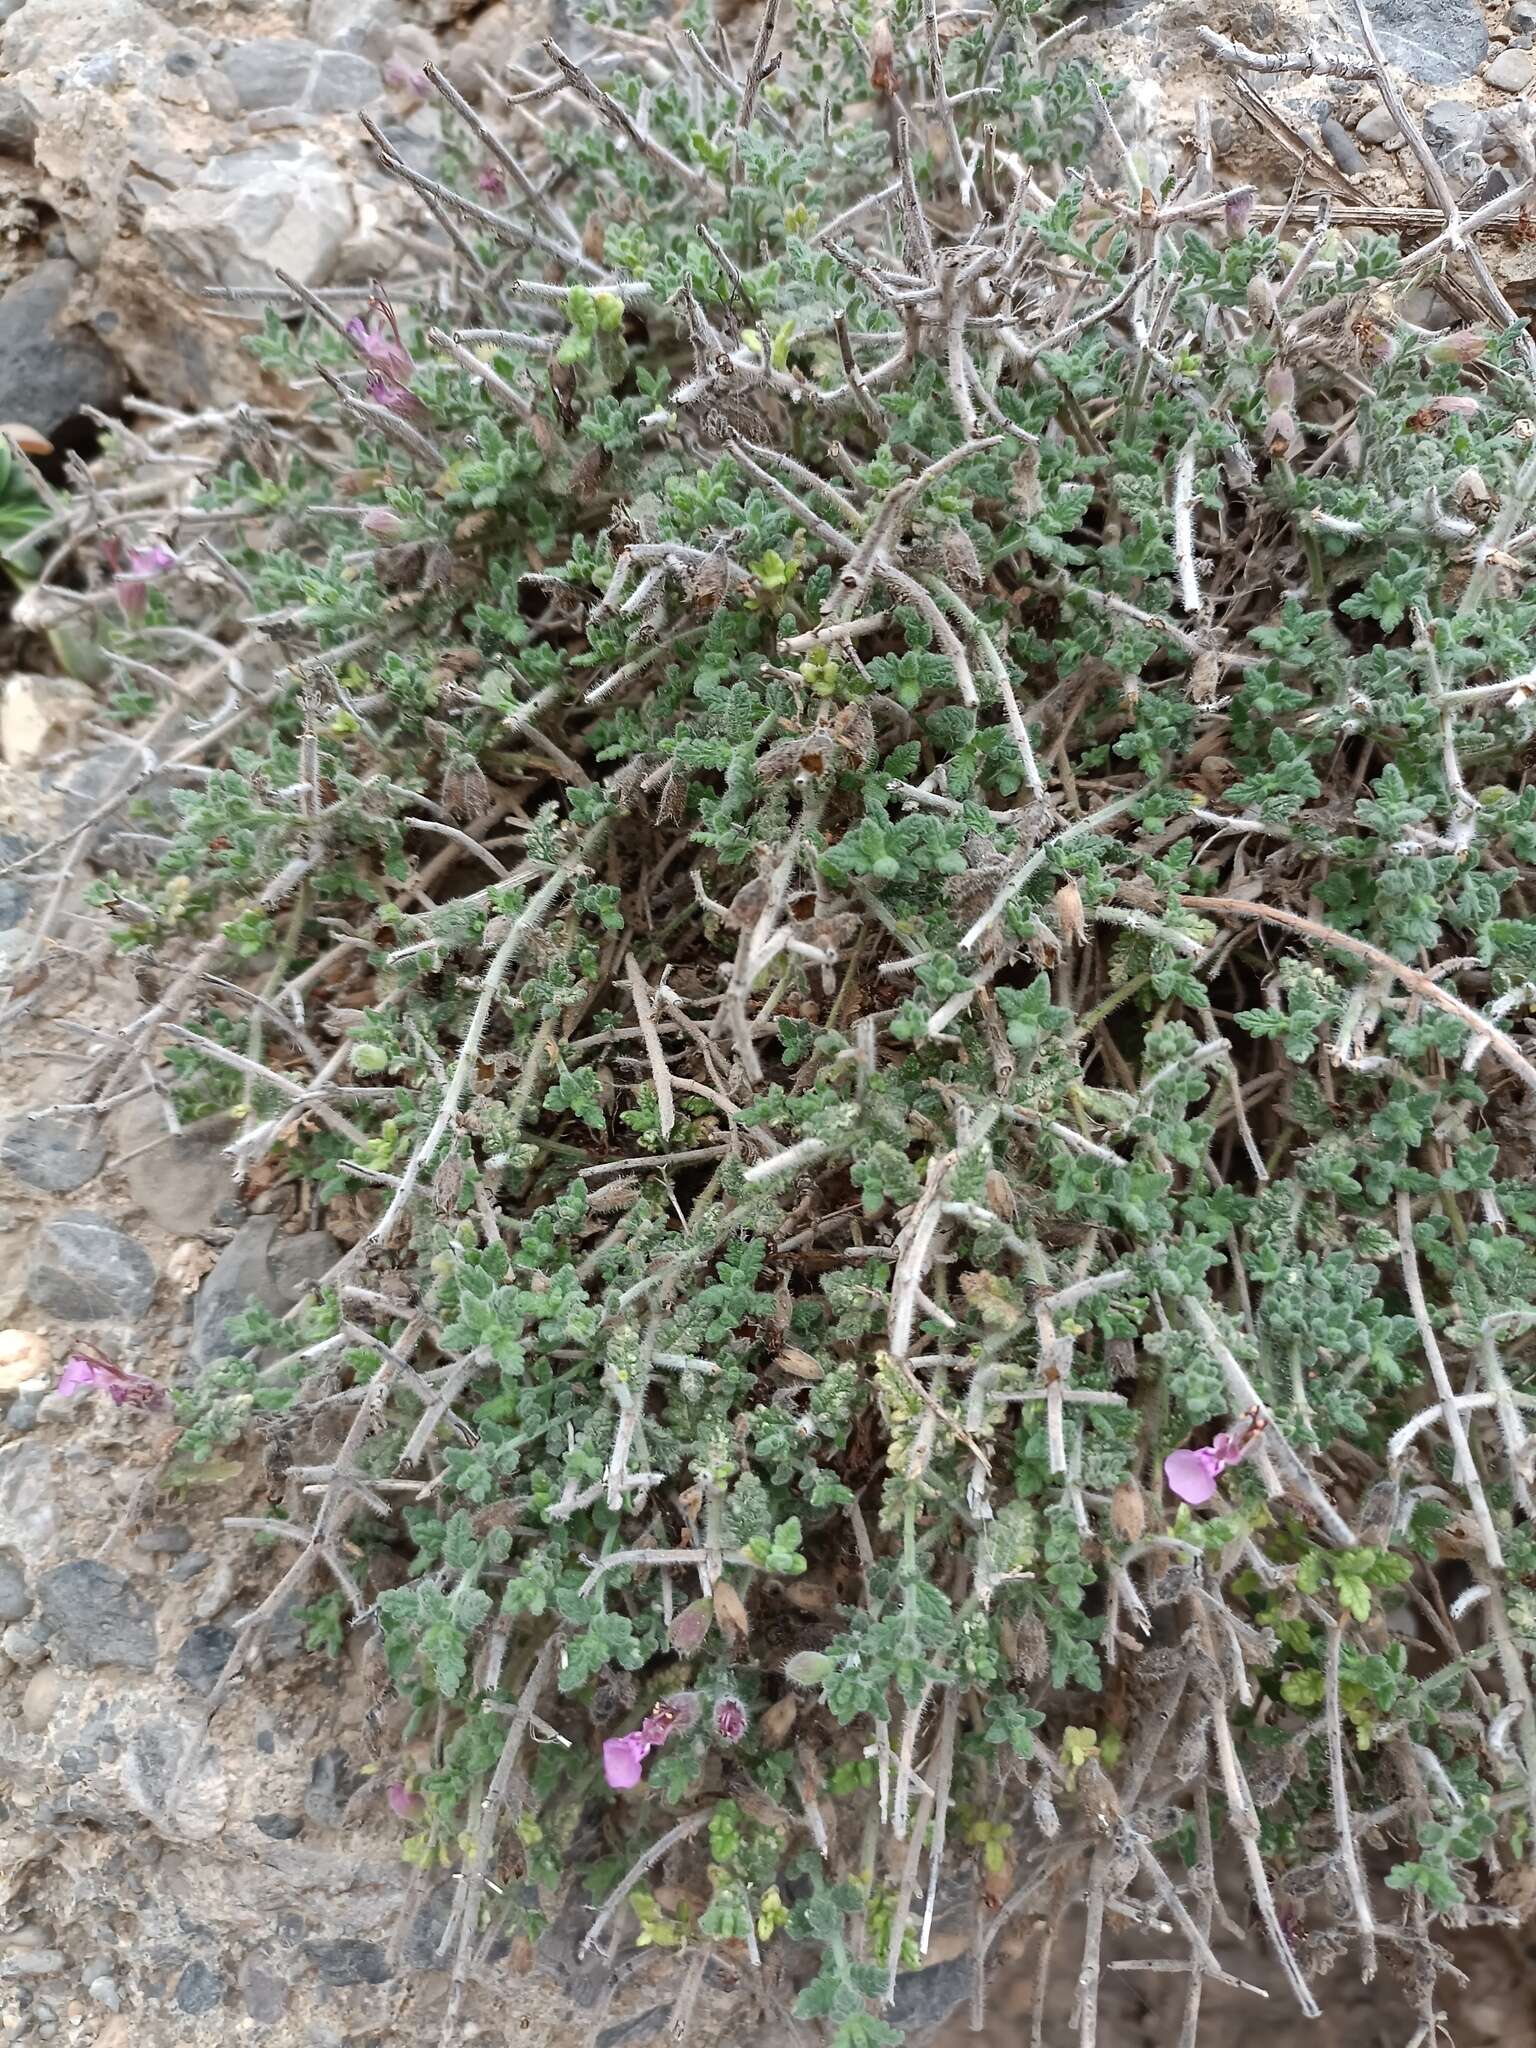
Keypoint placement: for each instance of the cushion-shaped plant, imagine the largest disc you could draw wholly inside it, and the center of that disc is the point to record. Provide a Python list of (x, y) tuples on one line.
[(882, 875)]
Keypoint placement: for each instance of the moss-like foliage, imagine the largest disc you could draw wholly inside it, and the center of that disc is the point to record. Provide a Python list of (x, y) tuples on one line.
[(883, 856)]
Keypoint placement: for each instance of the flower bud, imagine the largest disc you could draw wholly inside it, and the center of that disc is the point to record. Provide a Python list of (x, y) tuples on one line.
[(808, 1667)]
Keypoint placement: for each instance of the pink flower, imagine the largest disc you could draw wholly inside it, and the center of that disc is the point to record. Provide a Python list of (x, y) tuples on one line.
[(489, 180), (132, 583), (731, 1719), (382, 523), (1193, 1475), (408, 1805), (407, 77), (624, 1759), (125, 1389), (624, 1755), (387, 354)]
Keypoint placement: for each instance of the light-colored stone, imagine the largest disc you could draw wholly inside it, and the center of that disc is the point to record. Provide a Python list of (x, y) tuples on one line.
[(1512, 71), (39, 716), (23, 1358), (1376, 127), (253, 213), (41, 1697)]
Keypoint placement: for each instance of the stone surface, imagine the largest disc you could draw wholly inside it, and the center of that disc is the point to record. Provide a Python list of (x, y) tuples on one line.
[(18, 127), (199, 1989), (1512, 71), (256, 1265), (279, 1827), (15, 1600), (349, 1962), (51, 365), (85, 1270), (56, 1154), (23, 1644), (331, 1785), (176, 1780), (1341, 146), (181, 1180), (15, 890), (202, 1657), (1376, 127), (269, 71), (1434, 41), (265, 1994), (40, 1699), (165, 1540), (96, 1616), (39, 715), (253, 212), (362, 25)]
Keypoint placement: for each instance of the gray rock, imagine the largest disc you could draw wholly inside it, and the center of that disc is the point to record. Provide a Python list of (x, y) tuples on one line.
[(269, 71), (421, 1949), (265, 1995), (176, 1780), (15, 890), (279, 1827), (18, 124), (85, 1270), (32, 1962), (343, 82), (1434, 41), (631, 2033), (1340, 145), (252, 212), (1453, 130), (925, 1998), (95, 1616), (54, 1153), (166, 1540), (349, 1961), (181, 1180), (15, 1600), (199, 1989), (21, 1415), (1376, 127), (50, 367), (255, 1266), (103, 1991), (275, 71), (1512, 71), (78, 1761), (203, 1655), (331, 1785), (24, 1643), (364, 25)]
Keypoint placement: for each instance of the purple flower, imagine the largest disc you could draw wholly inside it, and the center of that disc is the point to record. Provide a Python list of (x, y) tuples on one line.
[(489, 180), (1193, 1475), (392, 396), (386, 353), (125, 1389), (624, 1755), (731, 1718), (624, 1759), (408, 77), (408, 1805), (132, 583)]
